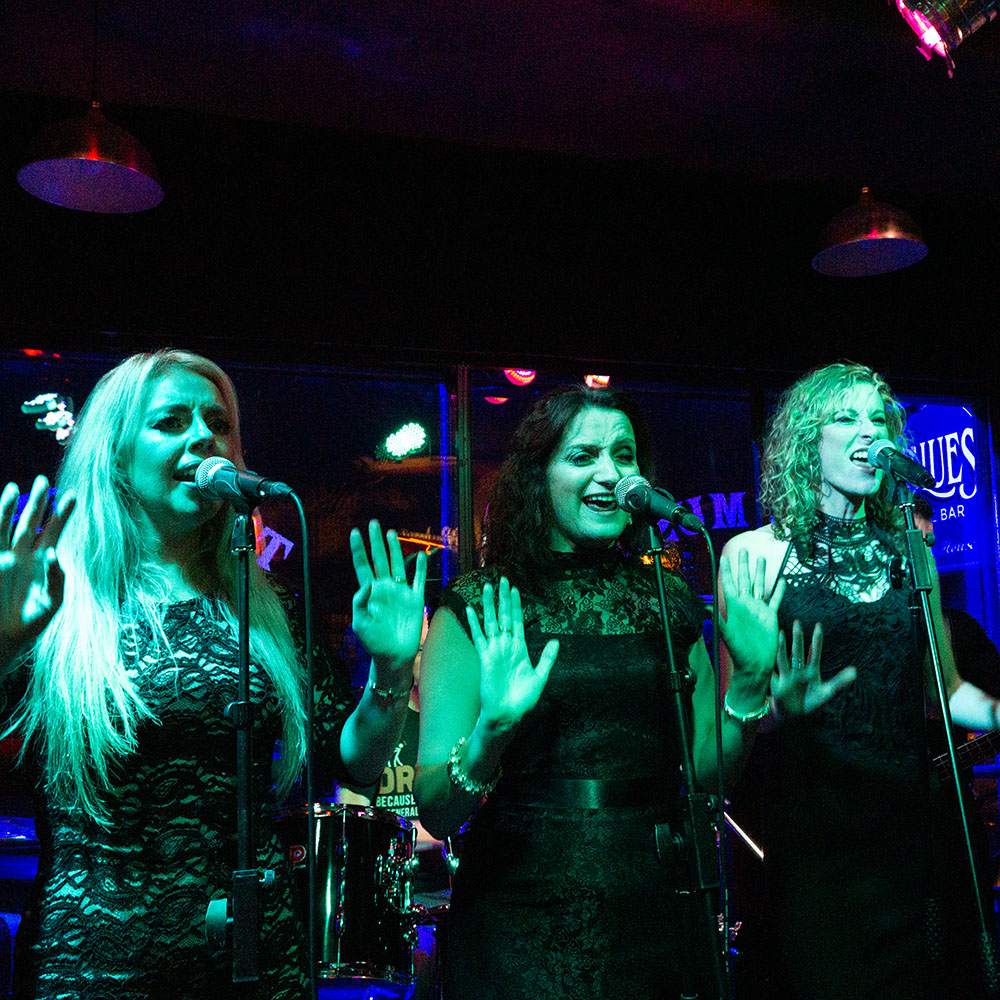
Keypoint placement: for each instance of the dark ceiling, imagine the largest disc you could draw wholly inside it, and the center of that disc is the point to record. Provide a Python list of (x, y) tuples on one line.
[(624, 180)]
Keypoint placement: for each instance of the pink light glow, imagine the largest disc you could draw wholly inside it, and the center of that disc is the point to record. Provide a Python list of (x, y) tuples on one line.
[(519, 376), (929, 36), (597, 381), (496, 400)]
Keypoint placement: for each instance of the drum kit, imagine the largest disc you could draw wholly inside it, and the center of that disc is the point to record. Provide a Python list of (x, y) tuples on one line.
[(375, 937)]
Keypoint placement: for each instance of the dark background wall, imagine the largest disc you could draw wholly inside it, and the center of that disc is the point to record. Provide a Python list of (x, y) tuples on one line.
[(633, 182)]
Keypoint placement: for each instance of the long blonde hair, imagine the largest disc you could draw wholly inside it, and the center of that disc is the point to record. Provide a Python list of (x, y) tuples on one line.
[(790, 476), (82, 710)]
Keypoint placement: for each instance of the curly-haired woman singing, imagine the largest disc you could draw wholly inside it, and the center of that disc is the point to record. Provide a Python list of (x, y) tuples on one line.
[(846, 805)]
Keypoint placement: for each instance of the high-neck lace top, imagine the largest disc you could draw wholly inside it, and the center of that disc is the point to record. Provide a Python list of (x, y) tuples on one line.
[(600, 715), (850, 579), (551, 901)]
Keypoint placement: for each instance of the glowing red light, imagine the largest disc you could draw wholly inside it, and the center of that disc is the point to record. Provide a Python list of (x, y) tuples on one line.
[(597, 381), (496, 400), (519, 376), (928, 34), (33, 352)]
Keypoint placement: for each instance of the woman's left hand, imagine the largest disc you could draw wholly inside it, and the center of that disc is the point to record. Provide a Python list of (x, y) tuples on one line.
[(797, 687), (388, 612)]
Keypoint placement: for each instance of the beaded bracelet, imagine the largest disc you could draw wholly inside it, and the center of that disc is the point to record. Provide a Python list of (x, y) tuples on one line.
[(458, 777), (750, 716), (387, 696)]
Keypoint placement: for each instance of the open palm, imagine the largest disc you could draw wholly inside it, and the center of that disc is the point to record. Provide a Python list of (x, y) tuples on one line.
[(750, 627), (797, 686), (388, 613), (31, 579), (509, 685)]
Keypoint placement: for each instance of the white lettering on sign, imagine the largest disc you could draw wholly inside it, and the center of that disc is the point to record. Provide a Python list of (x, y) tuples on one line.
[(951, 460)]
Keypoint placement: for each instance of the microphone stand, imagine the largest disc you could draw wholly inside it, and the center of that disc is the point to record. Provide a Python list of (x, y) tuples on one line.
[(922, 582), (240, 924), (696, 845)]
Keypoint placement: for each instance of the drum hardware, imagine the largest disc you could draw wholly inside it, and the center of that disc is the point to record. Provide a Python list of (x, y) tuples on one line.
[(364, 938), (374, 932)]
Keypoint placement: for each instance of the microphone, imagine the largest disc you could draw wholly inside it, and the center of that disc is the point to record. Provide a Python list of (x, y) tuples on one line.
[(634, 494), (218, 478), (883, 454)]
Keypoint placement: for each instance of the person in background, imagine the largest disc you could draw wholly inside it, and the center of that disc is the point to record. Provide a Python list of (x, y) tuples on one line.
[(118, 658), (976, 655)]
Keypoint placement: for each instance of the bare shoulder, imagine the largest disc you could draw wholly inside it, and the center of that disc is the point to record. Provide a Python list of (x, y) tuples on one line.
[(756, 543)]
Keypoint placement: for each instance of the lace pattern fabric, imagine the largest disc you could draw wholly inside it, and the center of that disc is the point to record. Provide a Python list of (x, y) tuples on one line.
[(848, 556), (849, 585), (844, 811), (555, 902), (119, 911)]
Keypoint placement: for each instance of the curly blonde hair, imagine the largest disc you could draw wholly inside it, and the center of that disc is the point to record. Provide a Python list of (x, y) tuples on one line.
[(791, 478)]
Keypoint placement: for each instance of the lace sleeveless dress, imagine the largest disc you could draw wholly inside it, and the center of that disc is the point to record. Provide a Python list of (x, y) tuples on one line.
[(844, 802), (552, 900), (120, 912)]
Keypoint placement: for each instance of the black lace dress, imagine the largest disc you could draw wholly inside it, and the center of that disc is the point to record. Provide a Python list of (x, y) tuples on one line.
[(552, 900), (844, 803), (119, 912)]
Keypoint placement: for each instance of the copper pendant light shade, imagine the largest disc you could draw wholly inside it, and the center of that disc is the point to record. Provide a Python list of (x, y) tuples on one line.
[(869, 238), (90, 164)]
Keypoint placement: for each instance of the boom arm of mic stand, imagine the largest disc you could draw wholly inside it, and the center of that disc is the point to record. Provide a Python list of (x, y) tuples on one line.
[(923, 583), (698, 840)]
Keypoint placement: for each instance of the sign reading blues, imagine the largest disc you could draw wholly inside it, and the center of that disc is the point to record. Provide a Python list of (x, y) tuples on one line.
[(943, 440)]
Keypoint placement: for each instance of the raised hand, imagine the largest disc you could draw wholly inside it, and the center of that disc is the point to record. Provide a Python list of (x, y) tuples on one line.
[(750, 626), (388, 612), (509, 686), (796, 685), (31, 579)]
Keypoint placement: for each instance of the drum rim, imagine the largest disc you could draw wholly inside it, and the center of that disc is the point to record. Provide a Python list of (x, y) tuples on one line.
[(326, 808), (363, 971)]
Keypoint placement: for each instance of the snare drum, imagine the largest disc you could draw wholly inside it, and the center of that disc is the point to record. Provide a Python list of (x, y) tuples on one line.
[(364, 860)]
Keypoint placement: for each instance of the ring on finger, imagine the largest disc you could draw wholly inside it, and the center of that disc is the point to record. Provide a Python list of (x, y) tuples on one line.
[(797, 664)]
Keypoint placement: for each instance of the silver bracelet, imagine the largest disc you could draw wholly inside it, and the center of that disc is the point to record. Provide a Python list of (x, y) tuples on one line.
[(458, 777), (387, 696), (750, 716)]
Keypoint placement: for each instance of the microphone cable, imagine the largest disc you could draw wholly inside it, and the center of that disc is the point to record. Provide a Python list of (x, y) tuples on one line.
[(310, 709)]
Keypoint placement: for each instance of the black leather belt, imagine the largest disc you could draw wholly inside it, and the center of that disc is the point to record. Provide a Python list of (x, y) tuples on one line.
[(581, 793)]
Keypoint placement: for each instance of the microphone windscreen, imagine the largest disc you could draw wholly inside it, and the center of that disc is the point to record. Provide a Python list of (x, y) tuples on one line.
[(203, 474), (624, 489)]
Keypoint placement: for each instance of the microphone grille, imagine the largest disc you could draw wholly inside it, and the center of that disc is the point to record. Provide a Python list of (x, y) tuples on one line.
[(877, 447), (203, 474), (625, 486)]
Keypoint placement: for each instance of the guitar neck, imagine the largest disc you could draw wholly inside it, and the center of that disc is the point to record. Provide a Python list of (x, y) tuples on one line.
[(973, 752)]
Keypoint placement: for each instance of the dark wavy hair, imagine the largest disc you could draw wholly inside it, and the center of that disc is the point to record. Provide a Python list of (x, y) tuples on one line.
[(791, 477), (519, 517)]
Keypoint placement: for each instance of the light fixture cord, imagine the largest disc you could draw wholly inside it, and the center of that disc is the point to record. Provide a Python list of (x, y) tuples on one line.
[(93, 59)]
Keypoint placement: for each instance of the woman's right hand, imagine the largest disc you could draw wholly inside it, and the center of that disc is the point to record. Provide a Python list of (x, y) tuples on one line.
[(31, 579), (509, 686)]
